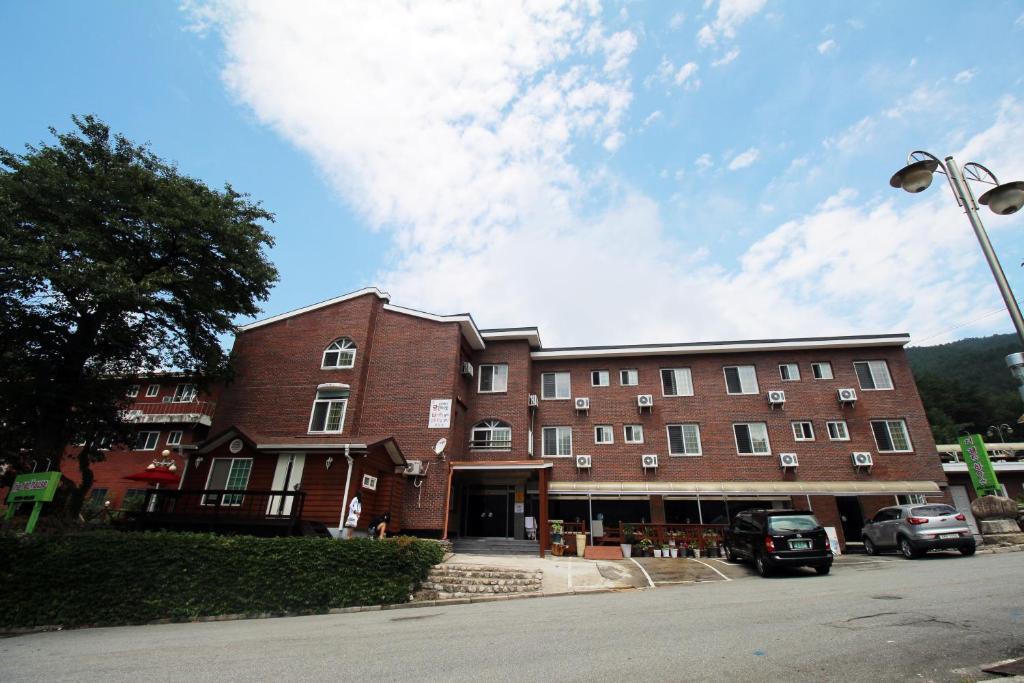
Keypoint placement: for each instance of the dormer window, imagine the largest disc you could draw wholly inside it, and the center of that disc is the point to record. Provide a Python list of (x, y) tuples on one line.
[(491, 435), (340, 354)]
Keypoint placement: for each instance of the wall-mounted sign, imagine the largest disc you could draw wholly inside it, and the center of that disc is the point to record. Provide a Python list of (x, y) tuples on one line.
[(440, 413), (519, 508), (979, 466), (369, 482)]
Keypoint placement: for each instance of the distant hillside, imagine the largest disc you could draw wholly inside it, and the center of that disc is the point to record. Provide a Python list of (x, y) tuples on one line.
[(966, 385)]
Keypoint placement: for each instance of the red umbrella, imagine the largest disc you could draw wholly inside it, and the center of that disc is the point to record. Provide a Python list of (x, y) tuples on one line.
[(158, 475)]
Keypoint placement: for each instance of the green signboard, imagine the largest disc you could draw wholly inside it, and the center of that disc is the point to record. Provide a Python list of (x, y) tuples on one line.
[(37, 488), (980, 467)]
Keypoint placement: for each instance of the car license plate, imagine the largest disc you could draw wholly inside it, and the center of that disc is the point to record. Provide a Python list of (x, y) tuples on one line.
[(949, 535), (799, 544)]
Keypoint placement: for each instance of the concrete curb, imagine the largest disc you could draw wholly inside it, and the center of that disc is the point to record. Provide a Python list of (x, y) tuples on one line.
[(999, 549)]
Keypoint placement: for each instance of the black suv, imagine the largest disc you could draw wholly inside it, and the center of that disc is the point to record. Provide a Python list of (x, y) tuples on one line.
[(778, 538)]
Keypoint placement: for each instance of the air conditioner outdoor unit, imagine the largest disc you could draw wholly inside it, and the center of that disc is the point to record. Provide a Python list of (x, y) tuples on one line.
[(582, 403), (846, 395), (649, 461), (788, 460), (413, 468), (776, 398), (645, 400), (533, 400), (583, 462), (862, 459), (467, 369)]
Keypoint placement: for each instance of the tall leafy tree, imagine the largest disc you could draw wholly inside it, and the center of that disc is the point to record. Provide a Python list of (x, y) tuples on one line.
[(112, 263)]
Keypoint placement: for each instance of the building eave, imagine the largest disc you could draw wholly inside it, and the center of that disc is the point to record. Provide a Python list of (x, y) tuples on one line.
[(531, 335), (464, 320), (322, 304)]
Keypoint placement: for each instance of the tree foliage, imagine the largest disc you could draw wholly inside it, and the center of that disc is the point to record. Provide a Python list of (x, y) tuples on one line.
[(113, 263)]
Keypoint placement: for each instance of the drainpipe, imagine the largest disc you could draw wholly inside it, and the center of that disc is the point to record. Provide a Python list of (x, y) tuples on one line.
[(344, 495)]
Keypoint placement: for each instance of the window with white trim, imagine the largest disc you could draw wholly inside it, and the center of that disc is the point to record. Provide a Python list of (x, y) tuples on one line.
[(873, 375), (493, 378), (751, 438), (152, 390), (146, 441), (837, 430), (803, 431), (891, 436), (821, 370), (629, 377), (633, 433), (133, 391), (790, 372), (684, 439), (604, 434), (340, 354), (556, 441), (676, 382), (600, 378), (329, 408), (492, 435), (184, 393), (740, 379), (174, 438), (555, 385), (227, 474), (911, 499)]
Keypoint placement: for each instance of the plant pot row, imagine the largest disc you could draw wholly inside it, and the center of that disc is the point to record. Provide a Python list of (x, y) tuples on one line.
[(670, 551)]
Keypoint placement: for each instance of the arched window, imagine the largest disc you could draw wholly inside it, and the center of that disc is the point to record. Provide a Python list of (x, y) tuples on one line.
[(491, 435), (340, 354)]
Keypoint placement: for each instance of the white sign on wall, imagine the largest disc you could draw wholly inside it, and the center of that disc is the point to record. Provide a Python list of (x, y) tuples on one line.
[(440, 413)]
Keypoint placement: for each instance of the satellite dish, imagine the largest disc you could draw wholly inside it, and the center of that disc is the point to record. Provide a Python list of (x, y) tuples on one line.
[(439, 446)]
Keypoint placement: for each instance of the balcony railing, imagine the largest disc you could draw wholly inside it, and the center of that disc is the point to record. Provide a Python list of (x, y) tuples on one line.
[(491, 444), (221, 507), (200, 412)]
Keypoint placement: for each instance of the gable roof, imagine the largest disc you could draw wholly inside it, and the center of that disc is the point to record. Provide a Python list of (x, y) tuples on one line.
[(322, 304)]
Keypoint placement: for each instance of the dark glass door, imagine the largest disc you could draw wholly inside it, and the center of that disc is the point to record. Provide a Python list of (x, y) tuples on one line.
[(487, 513)]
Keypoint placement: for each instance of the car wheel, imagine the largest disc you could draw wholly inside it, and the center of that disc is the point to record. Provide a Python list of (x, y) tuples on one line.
[(869, 547), (967, 550), (730, 555), (761, 566), (908, 550), (823, 569)]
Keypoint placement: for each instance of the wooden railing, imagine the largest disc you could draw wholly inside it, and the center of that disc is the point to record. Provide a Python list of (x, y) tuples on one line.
[(222, 506), (693, 535)]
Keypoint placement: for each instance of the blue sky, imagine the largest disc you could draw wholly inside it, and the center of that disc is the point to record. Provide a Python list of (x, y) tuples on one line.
[(614, 173)]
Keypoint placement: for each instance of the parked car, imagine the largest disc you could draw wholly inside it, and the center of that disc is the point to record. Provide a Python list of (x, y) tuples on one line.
[(916, 529), (778, 538)]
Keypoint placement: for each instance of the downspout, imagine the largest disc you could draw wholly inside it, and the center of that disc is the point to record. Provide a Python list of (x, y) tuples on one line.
[(344, 495)]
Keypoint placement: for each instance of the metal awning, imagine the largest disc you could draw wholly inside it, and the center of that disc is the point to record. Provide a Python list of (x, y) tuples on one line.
[(501, 465), (812, 488)]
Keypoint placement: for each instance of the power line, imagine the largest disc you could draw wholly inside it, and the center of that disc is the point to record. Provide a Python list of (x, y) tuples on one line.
[(969, 322)]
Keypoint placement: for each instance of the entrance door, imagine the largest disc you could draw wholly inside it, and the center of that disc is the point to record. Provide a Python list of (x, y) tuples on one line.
[(287, 477), (488, 512), (851, 517)]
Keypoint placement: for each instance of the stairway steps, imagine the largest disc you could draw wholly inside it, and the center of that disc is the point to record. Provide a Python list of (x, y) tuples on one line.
[(460, 581)]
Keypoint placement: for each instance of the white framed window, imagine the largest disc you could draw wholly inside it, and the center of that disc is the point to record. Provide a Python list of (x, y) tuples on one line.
[(329, 411), (891, 436), (555, 385), (604, 434), (227, 474), (676, 382), (629, 377), (600, 378), (684, 439), (633, 433), (133, 391), (803, 431), (821, 370), (184, 393), (751, 438), (174, 438), (837, 430), (369, 482), (152, 390), (340, 354), (740, 379), (556, 442), (790, 372), (493, 379), (873, 375), (911, 499), (491, 435), (146, 441)]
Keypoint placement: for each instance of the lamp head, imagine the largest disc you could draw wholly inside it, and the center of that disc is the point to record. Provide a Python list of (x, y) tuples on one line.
[(915, 177), (1004, 199)]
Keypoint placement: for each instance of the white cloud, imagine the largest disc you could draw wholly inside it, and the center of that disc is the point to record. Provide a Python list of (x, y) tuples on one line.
[(828, 46), (965, 76), (727, 57), (618, 48), (705, 36), (677, 20), (731, 14), (744, 159), (1019, 22), (653, 117), (686, 76), (853, 138), (614, 141), (703, 162)]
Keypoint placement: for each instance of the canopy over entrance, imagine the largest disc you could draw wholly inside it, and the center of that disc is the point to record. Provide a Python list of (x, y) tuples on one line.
[(795, 488)]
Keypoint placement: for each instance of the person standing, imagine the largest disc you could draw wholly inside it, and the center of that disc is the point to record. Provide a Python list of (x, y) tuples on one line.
[(355, 508)]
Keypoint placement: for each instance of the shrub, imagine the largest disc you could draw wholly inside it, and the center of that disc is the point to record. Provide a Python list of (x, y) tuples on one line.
[(107, 577)]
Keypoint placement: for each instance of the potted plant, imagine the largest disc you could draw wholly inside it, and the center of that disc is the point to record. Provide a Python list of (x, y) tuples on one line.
[(711, 543), (556, 531), (673, 551), (668, 551), (645, 546), (628, 537), (557, 549)]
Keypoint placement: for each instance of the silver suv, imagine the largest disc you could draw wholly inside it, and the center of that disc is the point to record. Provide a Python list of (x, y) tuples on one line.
[(916, 529)]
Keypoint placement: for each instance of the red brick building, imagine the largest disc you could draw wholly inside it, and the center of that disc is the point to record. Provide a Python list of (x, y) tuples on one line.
[(460, 431)]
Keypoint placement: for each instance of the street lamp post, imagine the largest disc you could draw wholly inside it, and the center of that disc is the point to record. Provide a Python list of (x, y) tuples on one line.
[(1001, 430), (1004, 199)]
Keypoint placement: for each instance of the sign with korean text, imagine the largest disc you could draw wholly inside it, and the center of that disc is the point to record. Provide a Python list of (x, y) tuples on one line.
[(440, 413), (38, 487), (983, 477)]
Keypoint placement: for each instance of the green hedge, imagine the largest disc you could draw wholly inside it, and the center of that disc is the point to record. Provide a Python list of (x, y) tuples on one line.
[(109, 577)]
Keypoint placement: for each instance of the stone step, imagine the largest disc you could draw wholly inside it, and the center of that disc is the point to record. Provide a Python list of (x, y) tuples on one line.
[(483, 573), (458, 581), (463, 581), (476, 590)]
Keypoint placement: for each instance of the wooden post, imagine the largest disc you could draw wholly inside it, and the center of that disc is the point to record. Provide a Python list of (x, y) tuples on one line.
[(447, 503), (542, 513)]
